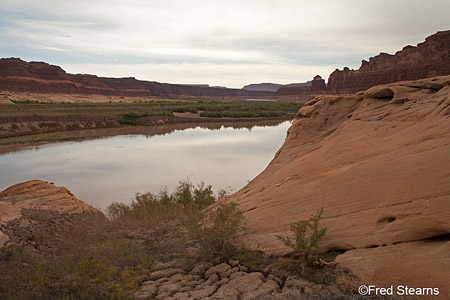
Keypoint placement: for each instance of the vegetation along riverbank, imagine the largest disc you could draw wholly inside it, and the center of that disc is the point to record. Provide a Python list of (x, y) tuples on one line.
[(24, 116)]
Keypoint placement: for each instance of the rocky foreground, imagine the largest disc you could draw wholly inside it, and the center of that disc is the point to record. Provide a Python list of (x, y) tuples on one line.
[(35, 213), (378, 163), (37, 195)]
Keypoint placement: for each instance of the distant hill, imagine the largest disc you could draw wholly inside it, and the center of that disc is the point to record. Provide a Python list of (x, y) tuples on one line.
[(17, 75), (271, 87)]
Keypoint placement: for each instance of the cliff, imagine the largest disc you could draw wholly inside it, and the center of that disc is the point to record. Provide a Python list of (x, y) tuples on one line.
[(427, 59), (317, 87), (272, 87), (17, 75), (377, 162)]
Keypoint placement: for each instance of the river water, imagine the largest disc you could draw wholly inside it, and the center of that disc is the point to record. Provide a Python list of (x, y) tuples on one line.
[(114, 168)]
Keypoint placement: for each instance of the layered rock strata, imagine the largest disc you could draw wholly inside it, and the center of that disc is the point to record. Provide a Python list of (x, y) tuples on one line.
[(428, 59), (377, 162), (17, 75), (317, 87)]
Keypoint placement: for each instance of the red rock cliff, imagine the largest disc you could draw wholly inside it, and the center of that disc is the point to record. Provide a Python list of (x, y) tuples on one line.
[(378, 163), (317, 87), (17, 75), (428, 59)]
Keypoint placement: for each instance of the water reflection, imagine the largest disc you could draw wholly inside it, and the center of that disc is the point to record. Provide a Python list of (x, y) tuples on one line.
[(111, 169)]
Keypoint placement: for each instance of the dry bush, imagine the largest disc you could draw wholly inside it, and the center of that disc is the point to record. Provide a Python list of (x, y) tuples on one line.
[(80, 258), (215, 231)]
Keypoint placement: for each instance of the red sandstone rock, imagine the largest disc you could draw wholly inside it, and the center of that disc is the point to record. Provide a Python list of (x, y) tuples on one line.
[(303, 92), (38, 195), (17, 75), (378, 163), (428, 59)]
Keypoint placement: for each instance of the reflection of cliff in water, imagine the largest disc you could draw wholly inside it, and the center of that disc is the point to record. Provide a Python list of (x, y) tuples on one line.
[(104, 168), (30, 142)]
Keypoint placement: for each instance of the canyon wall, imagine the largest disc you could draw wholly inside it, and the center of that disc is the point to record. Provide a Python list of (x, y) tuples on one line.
[(303, 93), (17, 75), (428, 59), (377, 162)]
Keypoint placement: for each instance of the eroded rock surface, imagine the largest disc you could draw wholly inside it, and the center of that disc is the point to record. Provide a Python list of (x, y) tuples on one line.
[(225, 282), (378, 163), (36, 195)]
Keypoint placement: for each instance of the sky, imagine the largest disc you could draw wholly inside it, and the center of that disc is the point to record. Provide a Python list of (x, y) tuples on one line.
[(221, 43)]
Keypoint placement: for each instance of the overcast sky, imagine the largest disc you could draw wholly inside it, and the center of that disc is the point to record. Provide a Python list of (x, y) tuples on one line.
[(229, 43)]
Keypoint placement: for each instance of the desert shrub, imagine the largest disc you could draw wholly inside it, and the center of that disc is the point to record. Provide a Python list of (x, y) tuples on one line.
[(154, 207), (203, 195), (306, 236), (81, 259), (183, 193), (128, 122), (215, 231), (90, 277), (120, 290)]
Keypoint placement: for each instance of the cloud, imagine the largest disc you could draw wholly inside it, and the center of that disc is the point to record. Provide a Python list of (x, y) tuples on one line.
[(170, 33)]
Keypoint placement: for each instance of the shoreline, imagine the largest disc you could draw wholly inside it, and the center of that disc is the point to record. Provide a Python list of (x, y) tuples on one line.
[(20, 142)]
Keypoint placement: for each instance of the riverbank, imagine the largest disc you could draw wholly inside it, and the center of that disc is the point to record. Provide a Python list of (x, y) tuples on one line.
[(15, 143), (28, 116)]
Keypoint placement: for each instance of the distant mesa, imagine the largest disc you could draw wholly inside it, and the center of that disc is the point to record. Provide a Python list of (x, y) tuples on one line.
[(17, 75), (427, 59), (272, 87)]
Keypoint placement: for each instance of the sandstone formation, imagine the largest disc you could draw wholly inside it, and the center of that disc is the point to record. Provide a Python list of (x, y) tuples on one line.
[(17, 75), (428, 59), (317, 87), (378, 163), (37, 195), (272, 87)]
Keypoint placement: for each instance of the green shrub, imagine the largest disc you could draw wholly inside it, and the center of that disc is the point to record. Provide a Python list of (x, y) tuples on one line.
[(153, 208), (127, 282), (215, 231), (306, 235)]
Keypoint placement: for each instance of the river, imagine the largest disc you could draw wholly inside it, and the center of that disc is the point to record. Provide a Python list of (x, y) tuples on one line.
[(114, 168)]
